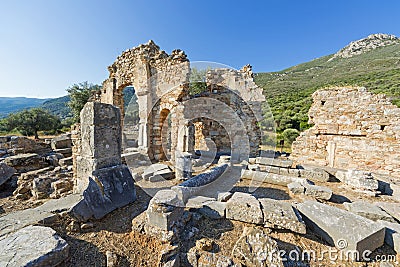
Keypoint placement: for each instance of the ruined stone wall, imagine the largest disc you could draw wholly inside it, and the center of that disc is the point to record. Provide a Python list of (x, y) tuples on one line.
[(353, 129)]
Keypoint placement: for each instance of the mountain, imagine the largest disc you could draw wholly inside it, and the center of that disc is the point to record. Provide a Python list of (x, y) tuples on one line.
[(58, 106), (12, 104), (372, 62)]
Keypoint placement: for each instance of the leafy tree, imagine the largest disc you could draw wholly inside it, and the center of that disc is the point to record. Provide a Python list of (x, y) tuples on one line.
[(289, 135), (79, 94), (29, 122), (197, 81)]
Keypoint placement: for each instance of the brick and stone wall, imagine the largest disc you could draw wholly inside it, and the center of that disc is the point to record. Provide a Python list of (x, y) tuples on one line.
[(353, 129)]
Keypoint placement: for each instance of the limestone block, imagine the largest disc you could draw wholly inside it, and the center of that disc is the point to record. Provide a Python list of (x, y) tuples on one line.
[(318, 192), (392, 236), (255, 248), (213, 209), (244, 207), (62, 141), (281, 215), (393, 209), (165, 209), (6, 172), (33, 246), (343, 229), (368, 210)]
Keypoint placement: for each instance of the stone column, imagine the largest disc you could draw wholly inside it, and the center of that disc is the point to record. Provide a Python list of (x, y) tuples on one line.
[(183, 165), (100, 132)]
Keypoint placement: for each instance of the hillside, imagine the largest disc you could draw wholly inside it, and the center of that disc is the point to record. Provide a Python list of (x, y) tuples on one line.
[(58, 106), (12, 104), (373, 62)]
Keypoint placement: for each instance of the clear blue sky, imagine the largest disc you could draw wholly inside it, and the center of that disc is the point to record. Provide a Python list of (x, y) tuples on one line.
[(48, 45)]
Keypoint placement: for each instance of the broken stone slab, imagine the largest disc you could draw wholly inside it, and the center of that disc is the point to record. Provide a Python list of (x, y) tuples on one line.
[(392, 236), (62, 141), (165, 209), (393, 209), (245, 208), (283, 163), (209, 259), (389, 186), (281, 215), (358, 179), (256, 248), (108, 189), (213, 210), (296, 188), (6, 172), (26, 162), (33, 246), (224, 196), (368, 210), (65, 162), (345, 230), (270, 178), (158, 167), (314, 174), (66, 152), (197, 183), (318, 192)]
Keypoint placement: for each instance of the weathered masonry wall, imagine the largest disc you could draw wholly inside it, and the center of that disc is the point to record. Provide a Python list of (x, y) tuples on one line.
[(161, 83), (353, 129)]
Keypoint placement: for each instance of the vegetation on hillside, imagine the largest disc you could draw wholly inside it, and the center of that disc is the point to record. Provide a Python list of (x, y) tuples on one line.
[(288, 92), (30, 122), (9, 105)]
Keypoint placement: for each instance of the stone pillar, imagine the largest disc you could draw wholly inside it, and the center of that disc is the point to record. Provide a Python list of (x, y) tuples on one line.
[(100, 147), (183, 165)]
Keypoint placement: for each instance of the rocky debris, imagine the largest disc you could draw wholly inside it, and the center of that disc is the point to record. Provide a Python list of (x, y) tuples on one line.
[(245, 208), (33, 246), (164, 209), (340, 228), (255, 248), (358, 179), (393, 209), (296, 188), (26, 162), (108, 189), (190, 187), (270, 178), (204, 244), (364, 45), (224, 196), (281, 215), (213, 210), (41, 187), (318, 192), (62, 141), (13, 145), (61, 187), (111, 259), (368, 210), (158, 172), (53, 159), (208, 259), (6, 172), (308, 189), (65, 162), (25, 180), (314, 173)]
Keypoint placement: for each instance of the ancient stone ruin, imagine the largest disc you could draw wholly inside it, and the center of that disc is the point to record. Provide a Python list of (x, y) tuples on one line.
[(353, 129), (198, 189)]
